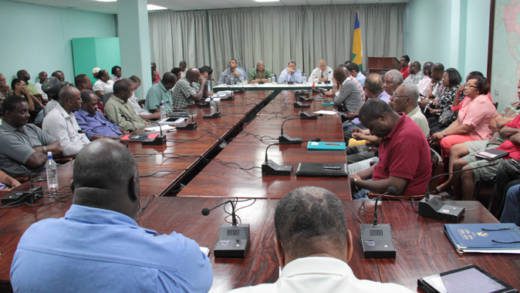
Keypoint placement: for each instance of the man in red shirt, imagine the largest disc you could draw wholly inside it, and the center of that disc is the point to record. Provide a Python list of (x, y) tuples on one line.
[(404, 153), (483, 170), (405, 67)]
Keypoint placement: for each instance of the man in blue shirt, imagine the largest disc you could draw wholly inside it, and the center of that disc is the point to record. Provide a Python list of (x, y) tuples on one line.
[(290, 74), (98, 246), (91, 121), (233, 74)]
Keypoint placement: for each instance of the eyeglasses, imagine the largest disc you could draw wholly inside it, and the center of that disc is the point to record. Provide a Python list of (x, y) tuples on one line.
[(470, 85)]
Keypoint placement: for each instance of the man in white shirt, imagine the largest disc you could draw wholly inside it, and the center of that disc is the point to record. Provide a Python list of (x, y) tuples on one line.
[(61, 123), (322, 73), (415, 73), (405, 100), (313, 246), (42, 77)]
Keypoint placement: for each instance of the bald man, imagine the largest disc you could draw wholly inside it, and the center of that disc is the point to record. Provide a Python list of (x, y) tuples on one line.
[(313, 247), (322, 73), (189, 90), (259, 74), (61, 123), (98, 246), (405, 100)]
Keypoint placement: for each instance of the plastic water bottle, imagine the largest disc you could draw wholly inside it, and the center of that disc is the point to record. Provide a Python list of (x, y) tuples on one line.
[(162, 108), (51, 168), (304, 78), (273, 78)]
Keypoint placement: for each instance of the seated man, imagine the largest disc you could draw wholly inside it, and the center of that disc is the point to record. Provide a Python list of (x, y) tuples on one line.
[(61, 123), (23, 146), (391, 80), (322, 73), (374, 88), (349, 98), (290, 74), (313, 246), (185, 92), (415, 73), (404, 100), (135, 82), (233, 74), (405, 68), (404, 153), (354, 71), (119, 111), (52, 87), (259, 74), (93, 122), (160, 94), (206, 73), (98, 245)]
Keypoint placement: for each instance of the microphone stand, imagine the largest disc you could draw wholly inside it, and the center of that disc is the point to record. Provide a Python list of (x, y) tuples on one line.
[(269, 167), (233, 240), (285, 139)]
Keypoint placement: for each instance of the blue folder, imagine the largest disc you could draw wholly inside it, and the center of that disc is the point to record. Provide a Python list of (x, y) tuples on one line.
[(326, 146), (484, 238), (327, 104)]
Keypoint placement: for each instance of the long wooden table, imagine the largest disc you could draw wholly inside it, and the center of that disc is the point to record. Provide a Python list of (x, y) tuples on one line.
[(236, 170), (422, 249)]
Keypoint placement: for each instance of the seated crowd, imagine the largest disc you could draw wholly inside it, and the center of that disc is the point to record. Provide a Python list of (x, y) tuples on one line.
[(402, 116)]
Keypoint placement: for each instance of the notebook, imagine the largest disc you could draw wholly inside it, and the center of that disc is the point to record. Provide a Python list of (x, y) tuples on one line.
[(484, 238), (326, 146), (321, 170)]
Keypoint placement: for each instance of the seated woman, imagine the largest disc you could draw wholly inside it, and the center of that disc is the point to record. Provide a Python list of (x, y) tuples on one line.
[(473, 119), (103, 87), (441, 114)]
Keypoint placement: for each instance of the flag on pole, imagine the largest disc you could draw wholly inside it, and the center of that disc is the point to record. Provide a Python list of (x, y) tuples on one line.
[(357, 47)]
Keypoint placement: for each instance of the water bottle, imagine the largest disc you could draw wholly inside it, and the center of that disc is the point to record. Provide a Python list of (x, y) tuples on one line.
[(273, 78), (304, 79), (213, 106), (163, 111), (51, 168)]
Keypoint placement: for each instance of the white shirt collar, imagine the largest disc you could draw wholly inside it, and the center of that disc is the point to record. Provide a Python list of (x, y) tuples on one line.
[(62, 111), (316, 265)]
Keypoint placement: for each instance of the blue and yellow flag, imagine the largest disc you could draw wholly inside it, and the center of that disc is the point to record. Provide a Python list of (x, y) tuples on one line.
[(357, 47)]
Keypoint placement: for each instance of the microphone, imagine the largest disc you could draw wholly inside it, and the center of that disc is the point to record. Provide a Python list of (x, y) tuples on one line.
[(376, 239), (434, 206), (391, 190), (269, 167), (233, 240), (285, 139), (207, 211), (159, 140)]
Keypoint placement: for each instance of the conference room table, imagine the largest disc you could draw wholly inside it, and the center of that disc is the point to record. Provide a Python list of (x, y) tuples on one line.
[(422, 248), (221, 159), (236, 170)]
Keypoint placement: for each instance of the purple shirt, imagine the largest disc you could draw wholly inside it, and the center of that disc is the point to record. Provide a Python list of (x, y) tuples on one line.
[(96, 125)]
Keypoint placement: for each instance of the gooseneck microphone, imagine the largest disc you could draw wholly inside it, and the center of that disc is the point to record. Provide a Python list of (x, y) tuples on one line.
[(391, 190), (285, 139), (435, 207), (376, 239), (269, 167), (233, 240)]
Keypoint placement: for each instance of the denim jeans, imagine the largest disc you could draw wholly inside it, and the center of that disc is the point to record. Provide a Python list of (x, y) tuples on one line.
[(511, 211)]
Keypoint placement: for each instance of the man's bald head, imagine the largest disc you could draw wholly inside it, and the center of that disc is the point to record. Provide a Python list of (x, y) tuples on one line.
[(70, 98), (405, 98), (193, 74), (105, 176), (309, 221)]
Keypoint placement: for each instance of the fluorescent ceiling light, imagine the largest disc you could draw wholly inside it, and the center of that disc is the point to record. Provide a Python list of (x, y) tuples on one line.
[(106, 0), (266, 1), (153, 7)]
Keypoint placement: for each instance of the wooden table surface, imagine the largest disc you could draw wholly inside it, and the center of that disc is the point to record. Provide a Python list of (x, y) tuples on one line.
[(236, 170), (422, 248)]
